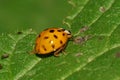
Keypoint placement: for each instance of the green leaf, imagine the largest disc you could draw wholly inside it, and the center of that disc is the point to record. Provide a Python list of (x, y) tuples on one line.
[(98, 58)]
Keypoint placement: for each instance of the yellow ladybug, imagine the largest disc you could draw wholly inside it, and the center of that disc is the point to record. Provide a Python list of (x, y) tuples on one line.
[(52, 40)]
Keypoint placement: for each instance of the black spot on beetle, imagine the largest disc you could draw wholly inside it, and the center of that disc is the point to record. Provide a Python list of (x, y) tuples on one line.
[(63, 34), (46, 37), (51, 31), (55, 36), (53, 46), (61, 42), (44, 47), (59, 30), (39, 35)]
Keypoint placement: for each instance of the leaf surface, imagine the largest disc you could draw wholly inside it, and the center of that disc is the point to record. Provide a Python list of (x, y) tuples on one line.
[(98, 58)]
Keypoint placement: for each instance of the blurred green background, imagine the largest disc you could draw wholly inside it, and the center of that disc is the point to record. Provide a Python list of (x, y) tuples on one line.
[(17, 15)]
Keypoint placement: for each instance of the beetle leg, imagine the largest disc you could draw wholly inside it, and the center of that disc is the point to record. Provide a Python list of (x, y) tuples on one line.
[(56, 53)]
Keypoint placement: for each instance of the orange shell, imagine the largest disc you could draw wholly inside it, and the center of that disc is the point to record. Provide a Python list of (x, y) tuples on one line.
[(51, 39)]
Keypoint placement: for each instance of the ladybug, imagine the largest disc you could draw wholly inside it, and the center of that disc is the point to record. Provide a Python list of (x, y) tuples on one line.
[(52, 40)]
